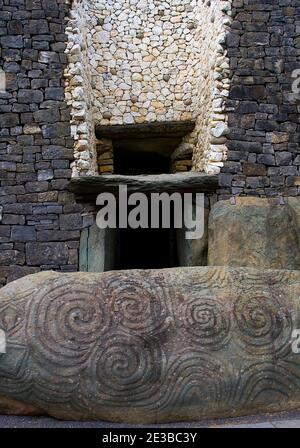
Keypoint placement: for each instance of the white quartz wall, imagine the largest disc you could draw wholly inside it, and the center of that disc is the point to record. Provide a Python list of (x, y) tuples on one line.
[(79, 90), (213, 84)]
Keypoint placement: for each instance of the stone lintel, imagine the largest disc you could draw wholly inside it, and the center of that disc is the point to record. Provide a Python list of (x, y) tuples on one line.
[(145, 130), (91, 186)]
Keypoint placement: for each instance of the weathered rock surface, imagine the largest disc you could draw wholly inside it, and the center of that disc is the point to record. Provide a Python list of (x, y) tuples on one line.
[(156, 183), (97, 252), (193, 252), (255, 232), (152, 346), (9, 406), (144, 131)]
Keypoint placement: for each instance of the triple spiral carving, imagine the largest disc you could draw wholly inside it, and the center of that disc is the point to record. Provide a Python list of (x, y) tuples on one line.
[(264, 325), (206, 321), (126, 370), (66, 320), (139, 305), (127, 340)]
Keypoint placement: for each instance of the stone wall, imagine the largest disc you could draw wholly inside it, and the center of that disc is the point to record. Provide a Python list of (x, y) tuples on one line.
[(213, 85), (137, 61), (131, 47), (263, 150), (40, 222), (79, 89)]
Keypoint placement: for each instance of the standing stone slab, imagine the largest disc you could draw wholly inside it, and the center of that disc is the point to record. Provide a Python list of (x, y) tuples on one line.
[(193, 252), (255, 232), (152, 346), (96, 252)]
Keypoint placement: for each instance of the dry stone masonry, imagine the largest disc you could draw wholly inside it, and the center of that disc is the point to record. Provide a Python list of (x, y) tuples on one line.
[(263, 111), (65, 68), (40, 221), (149, 345), (138, 61)]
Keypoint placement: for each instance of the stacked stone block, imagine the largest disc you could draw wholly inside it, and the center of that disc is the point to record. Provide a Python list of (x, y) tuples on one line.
[(258, 140), (40, 221), (105, 156), (263, 155)]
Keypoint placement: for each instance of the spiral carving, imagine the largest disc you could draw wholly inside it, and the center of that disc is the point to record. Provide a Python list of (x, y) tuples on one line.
[(66, 320), (16, 379), (125, 369), (138, 304), (214, 277), (264, 325), (207, 322), (265, 382), (152, 346), (194, 376), (260, 278)]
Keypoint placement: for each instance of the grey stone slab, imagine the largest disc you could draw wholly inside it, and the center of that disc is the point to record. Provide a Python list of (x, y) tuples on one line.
[(152, 346), (255, 232), (142, 131), (96, 252), (179, 182)]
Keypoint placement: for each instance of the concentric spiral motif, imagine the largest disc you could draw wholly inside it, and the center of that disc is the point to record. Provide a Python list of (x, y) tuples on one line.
[(15, 375), (207, 321), (138, 304), (264, 324), (195, 378), (125, 370), (261, 278), (151, 346), (213, 277), (265, 382), (65, 322)]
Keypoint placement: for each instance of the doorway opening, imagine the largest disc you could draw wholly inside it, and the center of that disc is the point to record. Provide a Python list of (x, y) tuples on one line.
[(146, 248), (132, 163), (139, 156), (142, 149)]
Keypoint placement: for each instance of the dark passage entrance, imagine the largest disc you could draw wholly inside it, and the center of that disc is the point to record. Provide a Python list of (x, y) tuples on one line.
[(151, 156), (146, 249), (133, 163), (144, 150)]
